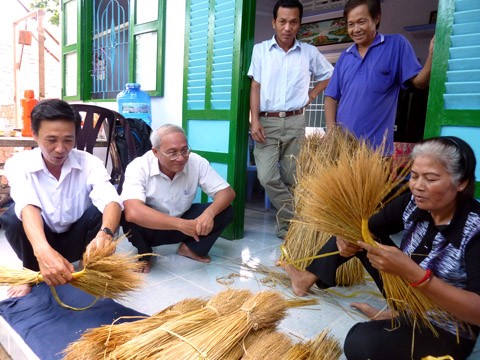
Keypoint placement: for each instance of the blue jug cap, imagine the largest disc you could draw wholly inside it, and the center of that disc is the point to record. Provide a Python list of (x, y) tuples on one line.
[(132, 85)]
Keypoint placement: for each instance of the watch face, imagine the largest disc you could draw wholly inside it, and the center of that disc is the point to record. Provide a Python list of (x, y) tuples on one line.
[(107, 231)]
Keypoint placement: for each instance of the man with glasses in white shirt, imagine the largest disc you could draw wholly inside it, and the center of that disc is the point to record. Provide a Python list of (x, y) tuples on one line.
[(158, 195)]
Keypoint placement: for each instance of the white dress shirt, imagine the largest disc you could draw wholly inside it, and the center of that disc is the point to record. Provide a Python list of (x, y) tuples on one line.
[(84, 181), (285, 76), (144, 181)]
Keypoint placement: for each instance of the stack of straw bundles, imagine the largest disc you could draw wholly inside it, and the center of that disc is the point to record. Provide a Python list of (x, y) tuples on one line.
[(351, 191), (98, 343), (303, 240), (150, 344), (223, 334), (106, 274)]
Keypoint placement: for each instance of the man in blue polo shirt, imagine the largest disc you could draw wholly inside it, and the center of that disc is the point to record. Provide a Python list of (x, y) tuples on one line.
[(280, 71), (363, 92)]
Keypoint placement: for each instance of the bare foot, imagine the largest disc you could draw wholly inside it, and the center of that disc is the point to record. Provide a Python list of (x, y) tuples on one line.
[(145, 266), (302, 280), (184, 250), (19, 290), (371, 312)]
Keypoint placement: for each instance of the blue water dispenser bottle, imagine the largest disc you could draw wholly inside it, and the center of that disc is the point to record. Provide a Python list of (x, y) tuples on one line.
[(135, 103)]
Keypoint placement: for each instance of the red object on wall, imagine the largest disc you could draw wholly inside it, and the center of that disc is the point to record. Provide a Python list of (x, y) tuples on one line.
[(28, 103)]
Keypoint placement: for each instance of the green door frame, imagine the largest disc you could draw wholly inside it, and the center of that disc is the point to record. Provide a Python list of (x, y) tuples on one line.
[(437, 115), (235, 159)]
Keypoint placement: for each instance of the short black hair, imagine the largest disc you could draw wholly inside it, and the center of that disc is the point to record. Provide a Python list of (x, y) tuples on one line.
[(54, 109), (292, 4), (374, 8)]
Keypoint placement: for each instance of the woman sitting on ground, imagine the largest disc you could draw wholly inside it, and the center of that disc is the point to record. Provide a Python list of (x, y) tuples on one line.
[(439, 254)]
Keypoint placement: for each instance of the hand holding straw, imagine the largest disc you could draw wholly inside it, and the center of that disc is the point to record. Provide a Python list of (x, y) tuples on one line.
[(105, 274)]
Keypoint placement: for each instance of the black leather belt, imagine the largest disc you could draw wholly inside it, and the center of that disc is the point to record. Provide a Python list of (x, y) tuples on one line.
[(281, 114)]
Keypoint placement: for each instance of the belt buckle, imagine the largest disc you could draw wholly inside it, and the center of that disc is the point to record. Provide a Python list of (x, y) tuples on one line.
[(282, 114)]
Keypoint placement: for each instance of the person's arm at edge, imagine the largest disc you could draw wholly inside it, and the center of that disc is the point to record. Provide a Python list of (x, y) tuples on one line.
[(221, 201), (422, 79), (317, 89), (256, 129), (330, 112)]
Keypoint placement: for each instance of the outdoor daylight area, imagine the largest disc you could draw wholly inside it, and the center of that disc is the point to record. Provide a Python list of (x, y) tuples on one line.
[(240, 180)]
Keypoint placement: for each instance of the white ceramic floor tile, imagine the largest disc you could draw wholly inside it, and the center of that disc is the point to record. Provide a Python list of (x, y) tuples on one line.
[(236, 264)]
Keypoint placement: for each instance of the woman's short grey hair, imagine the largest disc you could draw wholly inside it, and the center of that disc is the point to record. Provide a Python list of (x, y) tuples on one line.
[(157, 135), (455, 155)]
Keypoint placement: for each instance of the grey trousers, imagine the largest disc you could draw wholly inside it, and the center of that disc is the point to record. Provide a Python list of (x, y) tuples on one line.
[(276, 163)]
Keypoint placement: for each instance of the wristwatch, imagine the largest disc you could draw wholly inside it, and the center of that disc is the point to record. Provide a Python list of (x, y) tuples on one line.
[(107, 231)]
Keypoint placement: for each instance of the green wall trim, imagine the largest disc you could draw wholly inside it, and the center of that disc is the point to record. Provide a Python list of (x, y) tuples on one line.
[(237, 114), (437, 115)]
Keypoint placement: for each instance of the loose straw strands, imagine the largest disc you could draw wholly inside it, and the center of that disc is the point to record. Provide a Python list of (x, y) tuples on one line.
[(303, 240), (98, 343), (148, 345), (106, 274), (337, 198), (262, 310), (109, 274)]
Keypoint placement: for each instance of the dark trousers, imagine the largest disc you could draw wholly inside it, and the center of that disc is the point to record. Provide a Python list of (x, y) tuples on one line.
[(71, 244), (382, 339), (326, 268), (144, 239)]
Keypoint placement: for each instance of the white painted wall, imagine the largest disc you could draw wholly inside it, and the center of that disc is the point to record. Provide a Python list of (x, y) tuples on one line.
[(168, 109)]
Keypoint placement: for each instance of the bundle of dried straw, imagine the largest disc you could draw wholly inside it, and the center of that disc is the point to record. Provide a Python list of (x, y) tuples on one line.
[(351, 191), (98, 343), (303, 240), (268, 344), (322, 347), (149, 344), (223, 334), (106, 274)]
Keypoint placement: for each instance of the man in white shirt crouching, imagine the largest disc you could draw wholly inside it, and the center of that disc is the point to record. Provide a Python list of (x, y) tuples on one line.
[(158, 195), (64, 203)]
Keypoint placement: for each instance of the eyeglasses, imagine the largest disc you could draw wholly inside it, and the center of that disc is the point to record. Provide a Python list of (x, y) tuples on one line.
[(175, 155)]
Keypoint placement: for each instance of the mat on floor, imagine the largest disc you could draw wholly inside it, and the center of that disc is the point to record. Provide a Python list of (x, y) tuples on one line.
[(47, 328)]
